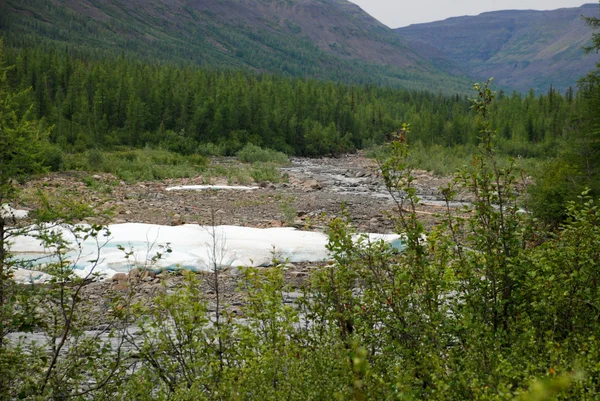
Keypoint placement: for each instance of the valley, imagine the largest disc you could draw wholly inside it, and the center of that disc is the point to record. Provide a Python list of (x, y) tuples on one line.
[(288, 200)]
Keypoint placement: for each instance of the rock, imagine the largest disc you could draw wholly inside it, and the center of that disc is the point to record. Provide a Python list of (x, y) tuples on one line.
[(120, 277), (142, 274), (177, 220), (299, 274), (121, 286), (311, 184)]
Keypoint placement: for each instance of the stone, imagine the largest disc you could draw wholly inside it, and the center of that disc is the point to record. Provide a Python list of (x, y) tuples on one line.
[(121, 286), (177, 220), (142, 274), (311, 184), (119, 277), (135, 272)]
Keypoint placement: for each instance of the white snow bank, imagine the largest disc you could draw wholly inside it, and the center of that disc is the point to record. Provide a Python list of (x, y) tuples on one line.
[(207, 187), (193, 247), (30, 276), (7, 211)]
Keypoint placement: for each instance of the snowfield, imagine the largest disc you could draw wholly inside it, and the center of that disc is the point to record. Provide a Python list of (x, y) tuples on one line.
[(193, 247), (210, 187)]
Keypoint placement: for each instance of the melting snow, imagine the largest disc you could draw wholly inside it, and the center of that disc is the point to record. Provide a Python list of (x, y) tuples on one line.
[(193, 247), (7, 211), (208, 187)]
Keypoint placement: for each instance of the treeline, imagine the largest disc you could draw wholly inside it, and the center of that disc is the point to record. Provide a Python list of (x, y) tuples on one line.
[(95, 103)]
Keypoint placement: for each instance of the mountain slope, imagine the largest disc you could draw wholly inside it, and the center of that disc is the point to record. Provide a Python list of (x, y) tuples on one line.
[(521, 49), (329, 39)]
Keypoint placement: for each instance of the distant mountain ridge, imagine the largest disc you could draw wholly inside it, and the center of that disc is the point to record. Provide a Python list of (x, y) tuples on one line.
[(327, 39), (522, 49)]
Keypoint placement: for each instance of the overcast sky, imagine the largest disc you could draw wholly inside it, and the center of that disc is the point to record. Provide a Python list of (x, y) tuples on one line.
[(397, 13)]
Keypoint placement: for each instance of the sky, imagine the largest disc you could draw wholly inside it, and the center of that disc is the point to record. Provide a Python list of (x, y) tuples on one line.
[(397, 13)]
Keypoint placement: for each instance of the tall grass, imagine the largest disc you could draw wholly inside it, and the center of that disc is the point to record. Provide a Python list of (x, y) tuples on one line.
[(137, 164), (148, 164)]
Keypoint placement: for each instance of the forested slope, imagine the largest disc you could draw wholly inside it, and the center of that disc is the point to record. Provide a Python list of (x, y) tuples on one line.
[(332, 39)]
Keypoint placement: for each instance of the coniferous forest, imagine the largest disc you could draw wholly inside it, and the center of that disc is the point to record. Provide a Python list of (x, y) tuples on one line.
[(121, 102)]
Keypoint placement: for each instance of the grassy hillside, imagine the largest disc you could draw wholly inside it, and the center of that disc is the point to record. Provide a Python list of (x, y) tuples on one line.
[(521, 49), (331, 39)]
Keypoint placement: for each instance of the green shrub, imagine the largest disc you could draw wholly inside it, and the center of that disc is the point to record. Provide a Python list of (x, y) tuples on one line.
[(252, 153), (554, 186), (210, 149), (265, 172), (53, 158), (95, 159)]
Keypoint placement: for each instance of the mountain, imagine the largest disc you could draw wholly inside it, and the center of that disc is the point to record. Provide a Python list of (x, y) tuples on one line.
[(323, 39), (521, 49)]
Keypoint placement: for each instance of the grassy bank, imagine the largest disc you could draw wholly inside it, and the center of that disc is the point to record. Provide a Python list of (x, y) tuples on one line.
[(147, 164)]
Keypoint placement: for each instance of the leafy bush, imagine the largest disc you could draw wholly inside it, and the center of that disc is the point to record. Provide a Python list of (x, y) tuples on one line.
[(211, 149), (252, 154), (555, 185), (265, 172)]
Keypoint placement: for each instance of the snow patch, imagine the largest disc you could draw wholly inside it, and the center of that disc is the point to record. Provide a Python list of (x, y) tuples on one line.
[(30, 276), (209, 187), (194, 247), (8, 212)]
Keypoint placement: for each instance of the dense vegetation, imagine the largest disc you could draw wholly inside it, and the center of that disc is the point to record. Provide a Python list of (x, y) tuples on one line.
[(484, 306)]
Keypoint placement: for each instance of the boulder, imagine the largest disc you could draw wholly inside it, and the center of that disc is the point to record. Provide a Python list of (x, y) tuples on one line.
[(311, 184), (120, 277), (141, 274)]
